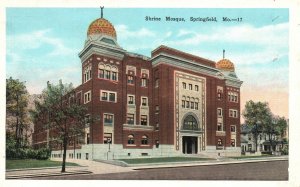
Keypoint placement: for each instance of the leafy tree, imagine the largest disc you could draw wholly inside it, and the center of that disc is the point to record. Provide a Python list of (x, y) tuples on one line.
[(257, 115), (16, 110), (55, 111), (274, 129)]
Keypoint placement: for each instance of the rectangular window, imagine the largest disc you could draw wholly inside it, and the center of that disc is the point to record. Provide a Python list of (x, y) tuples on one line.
[(187, 104), (190, 87), (130, 99), (184, 85), (232, 128), (108, 96), (114, 76), (107, 138), (233, 113), (232, 142), (87, 97), (196, 88), (108, 119), (101, 73), (144, 101), (112, 97), (220, 112), (130, 119), (104, 96), (144, 120), (130, 79), (196, 106), (183, 103), (144, 82), (219, 128)]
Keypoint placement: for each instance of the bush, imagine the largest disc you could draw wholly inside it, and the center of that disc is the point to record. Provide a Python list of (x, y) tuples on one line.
[(28, 153), (285, 150)]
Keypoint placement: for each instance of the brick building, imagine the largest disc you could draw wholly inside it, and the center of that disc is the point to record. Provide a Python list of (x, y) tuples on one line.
[(171, 103)]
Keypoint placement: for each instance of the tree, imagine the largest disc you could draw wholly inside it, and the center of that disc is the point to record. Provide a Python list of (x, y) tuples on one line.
[(257, 115), (281, 128), (16, 110), (59, 112), (274, 129)]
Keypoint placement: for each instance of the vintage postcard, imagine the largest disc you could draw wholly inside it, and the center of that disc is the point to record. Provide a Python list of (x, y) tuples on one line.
[(160, 93)]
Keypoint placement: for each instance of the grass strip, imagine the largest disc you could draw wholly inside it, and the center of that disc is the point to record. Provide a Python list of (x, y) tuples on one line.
[(31, 163)]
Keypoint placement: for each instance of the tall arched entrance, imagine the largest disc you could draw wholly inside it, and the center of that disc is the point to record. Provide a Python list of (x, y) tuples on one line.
[(189, 130)]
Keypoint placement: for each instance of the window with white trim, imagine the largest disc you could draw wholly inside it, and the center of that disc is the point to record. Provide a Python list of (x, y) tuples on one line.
[(232, 128), (130, 119), (232, 142), (87, 97), (107, 138), (130, 79), (144, 82), (144, 120), (144, 101), (144, 140), (87, 73), (220, 112), (220, 127), (130, 99), (233, 113), (130, 139), (108, 96), (106, 71), (108, 119), (233, 97)]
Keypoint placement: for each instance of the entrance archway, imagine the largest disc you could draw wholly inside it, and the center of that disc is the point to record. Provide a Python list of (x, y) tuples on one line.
[(189, 145)]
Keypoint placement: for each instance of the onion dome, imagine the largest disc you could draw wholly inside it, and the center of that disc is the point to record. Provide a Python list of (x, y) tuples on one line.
[(102, 26), (225, 64)]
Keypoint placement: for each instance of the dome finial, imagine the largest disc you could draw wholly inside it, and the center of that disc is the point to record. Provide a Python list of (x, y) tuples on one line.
[(102, 7), (223, 53)]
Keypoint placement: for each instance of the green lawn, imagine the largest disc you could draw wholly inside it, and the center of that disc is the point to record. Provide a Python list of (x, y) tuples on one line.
[(19, 164), (162, 159)]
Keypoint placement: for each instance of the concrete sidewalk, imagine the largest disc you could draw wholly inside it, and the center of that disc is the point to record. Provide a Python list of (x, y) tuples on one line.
[(96, 167)]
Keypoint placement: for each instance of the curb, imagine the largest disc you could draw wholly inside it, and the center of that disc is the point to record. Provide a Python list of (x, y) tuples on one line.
[(56, 167), (48, 174)]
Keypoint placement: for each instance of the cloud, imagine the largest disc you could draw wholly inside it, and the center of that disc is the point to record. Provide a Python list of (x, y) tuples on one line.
[(247, 34), (36, 40), (124, 32)]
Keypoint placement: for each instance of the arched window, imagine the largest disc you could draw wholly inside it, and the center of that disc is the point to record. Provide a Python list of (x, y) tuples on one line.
[(130, 139), (114, 73), (190, 123), (144, 140), (101, 71)]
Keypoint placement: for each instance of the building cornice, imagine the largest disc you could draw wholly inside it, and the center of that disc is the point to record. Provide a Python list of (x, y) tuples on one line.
[(183, 63)]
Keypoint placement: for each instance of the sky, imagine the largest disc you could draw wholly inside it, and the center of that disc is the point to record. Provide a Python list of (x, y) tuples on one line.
[(42, 44)]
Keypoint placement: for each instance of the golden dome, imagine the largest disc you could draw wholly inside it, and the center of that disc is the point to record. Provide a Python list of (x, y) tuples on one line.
[(225, 64), (102, 26)]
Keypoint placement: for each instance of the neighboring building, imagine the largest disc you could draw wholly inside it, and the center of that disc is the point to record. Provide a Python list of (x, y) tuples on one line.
[(172, 103), (263, 143)]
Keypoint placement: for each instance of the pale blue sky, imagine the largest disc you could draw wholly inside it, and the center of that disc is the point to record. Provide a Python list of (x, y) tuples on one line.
[(43, 44)]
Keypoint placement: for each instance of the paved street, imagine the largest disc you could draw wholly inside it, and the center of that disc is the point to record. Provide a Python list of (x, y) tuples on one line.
[(274, 170)]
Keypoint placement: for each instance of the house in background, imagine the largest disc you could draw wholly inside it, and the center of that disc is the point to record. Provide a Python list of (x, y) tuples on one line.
[(263, 143)]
